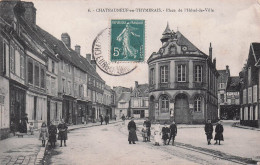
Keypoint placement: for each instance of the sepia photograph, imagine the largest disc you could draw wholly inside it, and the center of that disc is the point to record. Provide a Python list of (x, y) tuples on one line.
[(129, 82)]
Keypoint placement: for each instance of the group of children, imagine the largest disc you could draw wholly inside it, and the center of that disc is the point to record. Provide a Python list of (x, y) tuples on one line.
[(164, 133)]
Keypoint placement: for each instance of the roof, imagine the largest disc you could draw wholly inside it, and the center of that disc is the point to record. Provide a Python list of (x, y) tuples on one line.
[(223, 76), (183, 41), (167, 29), (142, 90), (124, 97), (233, 84), (256, 52)]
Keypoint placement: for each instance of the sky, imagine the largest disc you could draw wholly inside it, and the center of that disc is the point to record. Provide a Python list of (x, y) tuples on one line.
[(231, 28)]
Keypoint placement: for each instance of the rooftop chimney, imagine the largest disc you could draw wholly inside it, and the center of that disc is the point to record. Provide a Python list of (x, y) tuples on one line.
[(77, 49), (88, 57), (65, 39), (93, 63), (210, 51), (30, 12), (227, 69), (136, 84)]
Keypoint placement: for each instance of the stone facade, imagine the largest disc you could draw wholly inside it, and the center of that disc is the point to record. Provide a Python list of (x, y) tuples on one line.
[(182, 81)]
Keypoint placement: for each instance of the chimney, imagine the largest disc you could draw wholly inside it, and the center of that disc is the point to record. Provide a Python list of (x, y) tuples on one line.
[(210, 51), (136, 84), (30, 12), (77, 49), (214, 62), (65, 39), (93, 63), (227, 70), (88, 57)]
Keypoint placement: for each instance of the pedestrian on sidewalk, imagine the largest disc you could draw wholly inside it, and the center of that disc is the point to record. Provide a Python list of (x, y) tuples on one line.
[(157, 134), (165, 133), (62, 127), (132, 137), (173, 132), (115, 117), (219, 133), (44, 133), (107, 119), (101, 119), (123, 118), (208, 130), (23, 124), (148, 124), (52, 134)]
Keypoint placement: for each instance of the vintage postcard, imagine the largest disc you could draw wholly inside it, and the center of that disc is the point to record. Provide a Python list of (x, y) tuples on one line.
[(129, 82)]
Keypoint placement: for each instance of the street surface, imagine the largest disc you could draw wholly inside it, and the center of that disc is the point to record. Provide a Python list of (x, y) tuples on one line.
[(107, 144)]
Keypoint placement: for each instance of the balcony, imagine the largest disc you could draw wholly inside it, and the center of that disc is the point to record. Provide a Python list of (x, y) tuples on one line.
[(164, 85)]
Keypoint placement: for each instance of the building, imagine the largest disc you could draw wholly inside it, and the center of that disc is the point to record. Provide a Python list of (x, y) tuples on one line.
[(139, 105), (228, 95), (249, 111), (182, 81), (122, 105), (41, 75), (107, 100)]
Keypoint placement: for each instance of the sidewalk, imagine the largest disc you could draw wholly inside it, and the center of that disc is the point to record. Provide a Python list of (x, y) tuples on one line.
[(28, 150), (245, 127)]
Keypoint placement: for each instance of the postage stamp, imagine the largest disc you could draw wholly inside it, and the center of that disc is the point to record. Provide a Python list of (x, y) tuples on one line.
[(127, 40)]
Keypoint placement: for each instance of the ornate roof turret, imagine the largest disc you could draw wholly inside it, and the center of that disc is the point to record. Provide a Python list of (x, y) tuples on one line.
[(166, 34)]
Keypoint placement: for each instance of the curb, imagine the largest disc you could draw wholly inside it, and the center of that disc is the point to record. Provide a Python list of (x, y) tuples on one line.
[(245, 127)]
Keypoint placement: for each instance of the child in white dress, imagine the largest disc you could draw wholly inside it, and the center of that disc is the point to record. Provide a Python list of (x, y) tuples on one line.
[(157, 134)]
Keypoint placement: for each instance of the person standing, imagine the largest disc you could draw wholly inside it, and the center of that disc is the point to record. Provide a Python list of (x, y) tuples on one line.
[(115, 117), (107, 119), (52, 134), (157, 134), (62, 127), (43, 133), (147, 123), (219, 133), (123, 118), (165, 132), (101, 119), (132, 137), (208, 130), (173, 132), (23, 124)]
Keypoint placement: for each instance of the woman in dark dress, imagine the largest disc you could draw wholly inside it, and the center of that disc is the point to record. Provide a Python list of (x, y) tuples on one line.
[(62, 127), (165, 133), (219, 133), (23, 124), (52, 134), (132, 137), (208, 130)]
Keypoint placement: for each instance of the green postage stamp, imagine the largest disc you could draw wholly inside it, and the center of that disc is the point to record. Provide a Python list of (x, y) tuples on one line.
[(127, 40)]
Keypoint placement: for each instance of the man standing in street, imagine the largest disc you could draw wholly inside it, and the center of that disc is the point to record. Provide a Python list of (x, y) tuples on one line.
[(107, 119), (208, 130), (173, 132), (147, 124)]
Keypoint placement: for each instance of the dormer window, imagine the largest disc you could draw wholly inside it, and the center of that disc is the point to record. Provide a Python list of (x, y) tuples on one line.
[(172, 50)]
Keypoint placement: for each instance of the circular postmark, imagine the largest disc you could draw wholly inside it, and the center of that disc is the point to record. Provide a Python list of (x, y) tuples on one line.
[(101, 56)]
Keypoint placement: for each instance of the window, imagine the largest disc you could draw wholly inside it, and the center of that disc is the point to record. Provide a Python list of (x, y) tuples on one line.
[(69, 68), (53, 86), (12, 61), (197, 104), (22, 66), (172, 50), (42, 78), (164, 74), (181, 69), (198, 73), (222, 99), (52, 66), (164, 104), (30, 72), (249, 76), (63, 85), (5, 54), (152, 76), (69, 87), (37, 75), (62, 65)]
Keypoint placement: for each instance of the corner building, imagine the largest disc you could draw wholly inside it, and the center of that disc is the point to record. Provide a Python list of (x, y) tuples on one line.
[(182, 81)]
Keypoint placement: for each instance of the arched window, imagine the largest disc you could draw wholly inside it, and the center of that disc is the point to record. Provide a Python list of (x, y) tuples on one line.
[(197, 104), (164, 104)]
